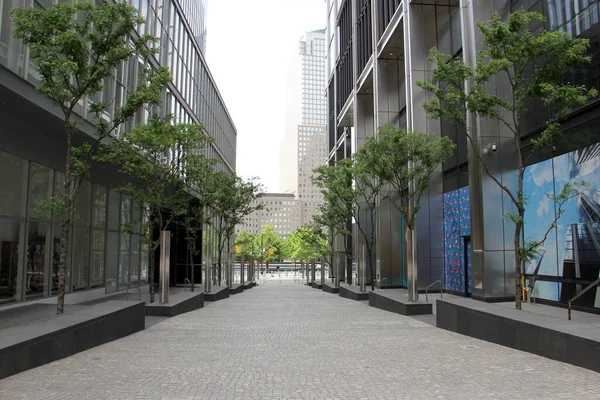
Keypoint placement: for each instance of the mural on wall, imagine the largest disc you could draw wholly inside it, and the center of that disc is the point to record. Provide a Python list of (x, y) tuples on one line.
[(572, 251), (457, 230)]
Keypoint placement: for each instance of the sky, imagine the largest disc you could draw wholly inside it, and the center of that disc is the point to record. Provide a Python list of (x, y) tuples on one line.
[(252, 53)]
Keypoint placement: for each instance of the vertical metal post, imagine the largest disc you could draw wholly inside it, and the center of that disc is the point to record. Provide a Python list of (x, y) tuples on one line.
[(242, 270), (362, 269), (165, 251), (208, 273), (314, 271), (230, 270)]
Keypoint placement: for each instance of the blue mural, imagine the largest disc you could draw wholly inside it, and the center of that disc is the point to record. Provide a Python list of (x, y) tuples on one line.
[(572, 250), (457, 226)]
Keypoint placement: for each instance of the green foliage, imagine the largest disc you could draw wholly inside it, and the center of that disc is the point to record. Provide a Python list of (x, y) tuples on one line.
[(528, 63), (307, 243), (405, 160), (245, 241), (267, 239), (232, 199), (157, 155), (76, 49)]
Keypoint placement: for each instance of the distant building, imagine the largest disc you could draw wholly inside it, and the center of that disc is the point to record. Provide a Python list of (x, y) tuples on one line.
[(280, 209), (312, 147)]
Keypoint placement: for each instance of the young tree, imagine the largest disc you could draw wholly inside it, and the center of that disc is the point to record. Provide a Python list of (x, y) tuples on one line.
[(269, 245), (232, 200), (158, 155), (333, 216), (532, 63), (405, 161), (76, 48), (245, 241), (199, 177), (355, 186)]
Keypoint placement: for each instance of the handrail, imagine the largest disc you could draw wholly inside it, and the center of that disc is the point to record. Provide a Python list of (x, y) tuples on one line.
[(427, 290), (185, 283), (591, 285)]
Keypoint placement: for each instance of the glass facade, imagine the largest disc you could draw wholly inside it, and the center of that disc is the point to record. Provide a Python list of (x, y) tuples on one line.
[(105, 250), (29, 240)]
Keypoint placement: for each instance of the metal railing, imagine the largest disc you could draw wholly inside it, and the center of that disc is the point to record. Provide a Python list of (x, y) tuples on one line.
[(186, 281), (139, 293), (591, 285), (428, 287), (379, 281)]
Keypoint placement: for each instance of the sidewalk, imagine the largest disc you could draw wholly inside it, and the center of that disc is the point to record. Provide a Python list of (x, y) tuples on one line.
[(288, 341)]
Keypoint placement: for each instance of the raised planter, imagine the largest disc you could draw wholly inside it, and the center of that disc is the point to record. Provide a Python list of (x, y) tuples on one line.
[(27, 346), (236, 288), (353, 293), (217, 293), (330, 288), (562, 340), (397, 302), (178, 304)]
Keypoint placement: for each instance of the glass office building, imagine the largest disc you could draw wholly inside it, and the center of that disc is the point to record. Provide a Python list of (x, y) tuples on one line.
[(377, 51), (103, 255)]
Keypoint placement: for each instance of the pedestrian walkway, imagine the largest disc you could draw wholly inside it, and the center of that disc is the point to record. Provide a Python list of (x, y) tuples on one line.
[(288, 341)]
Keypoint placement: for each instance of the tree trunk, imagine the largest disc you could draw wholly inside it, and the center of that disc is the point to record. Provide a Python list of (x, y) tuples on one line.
[(64, 243), (518, 272), (65, 220)]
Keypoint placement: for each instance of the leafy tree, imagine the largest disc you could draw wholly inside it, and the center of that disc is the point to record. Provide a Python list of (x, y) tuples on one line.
[(232, 200), (269, 245), (159, 154), (199, 177), (531, 62), (405, 161), (245, 241), (76, 48), (333, 216)]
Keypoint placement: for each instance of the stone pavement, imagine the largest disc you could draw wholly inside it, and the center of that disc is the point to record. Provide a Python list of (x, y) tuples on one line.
[(288, 341)]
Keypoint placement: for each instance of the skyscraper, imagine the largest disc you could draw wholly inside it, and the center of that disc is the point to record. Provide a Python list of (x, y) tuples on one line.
[(312, 149)]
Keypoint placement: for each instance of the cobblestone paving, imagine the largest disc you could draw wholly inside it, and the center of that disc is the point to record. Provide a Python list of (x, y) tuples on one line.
[(288, 341)]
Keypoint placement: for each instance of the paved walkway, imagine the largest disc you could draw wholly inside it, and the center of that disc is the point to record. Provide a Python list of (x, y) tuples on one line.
[(288, 341)]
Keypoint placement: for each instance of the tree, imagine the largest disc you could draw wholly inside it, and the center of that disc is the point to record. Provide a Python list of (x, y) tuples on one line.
[(76, 49), (355, 186), (405, 161), (232, 200), (199, 178), (245, 241), (158, 155), (333, 216), (532, 63), (269, 244)]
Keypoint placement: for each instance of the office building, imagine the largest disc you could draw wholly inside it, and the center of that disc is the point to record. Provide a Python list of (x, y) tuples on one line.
[(104, 257), (311, 132), (281, 210), (377, 51)]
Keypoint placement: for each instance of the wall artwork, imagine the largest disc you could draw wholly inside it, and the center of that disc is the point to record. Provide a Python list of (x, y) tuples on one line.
[(572, 250), (457, 232)]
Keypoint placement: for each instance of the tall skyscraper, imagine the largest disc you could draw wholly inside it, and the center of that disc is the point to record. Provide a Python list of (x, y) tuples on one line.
[(312, 149)]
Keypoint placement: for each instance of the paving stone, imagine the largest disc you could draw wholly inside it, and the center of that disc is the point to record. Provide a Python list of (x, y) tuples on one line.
[(289, 341)]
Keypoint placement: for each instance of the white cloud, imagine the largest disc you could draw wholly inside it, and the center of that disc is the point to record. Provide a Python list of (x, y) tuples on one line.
[(543, 207), (541, 173)]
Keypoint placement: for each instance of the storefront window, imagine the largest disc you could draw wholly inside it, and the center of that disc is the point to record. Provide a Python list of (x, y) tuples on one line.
[(38, 241), (9, 258), (97, 267), (81, 258), (13, 185)]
